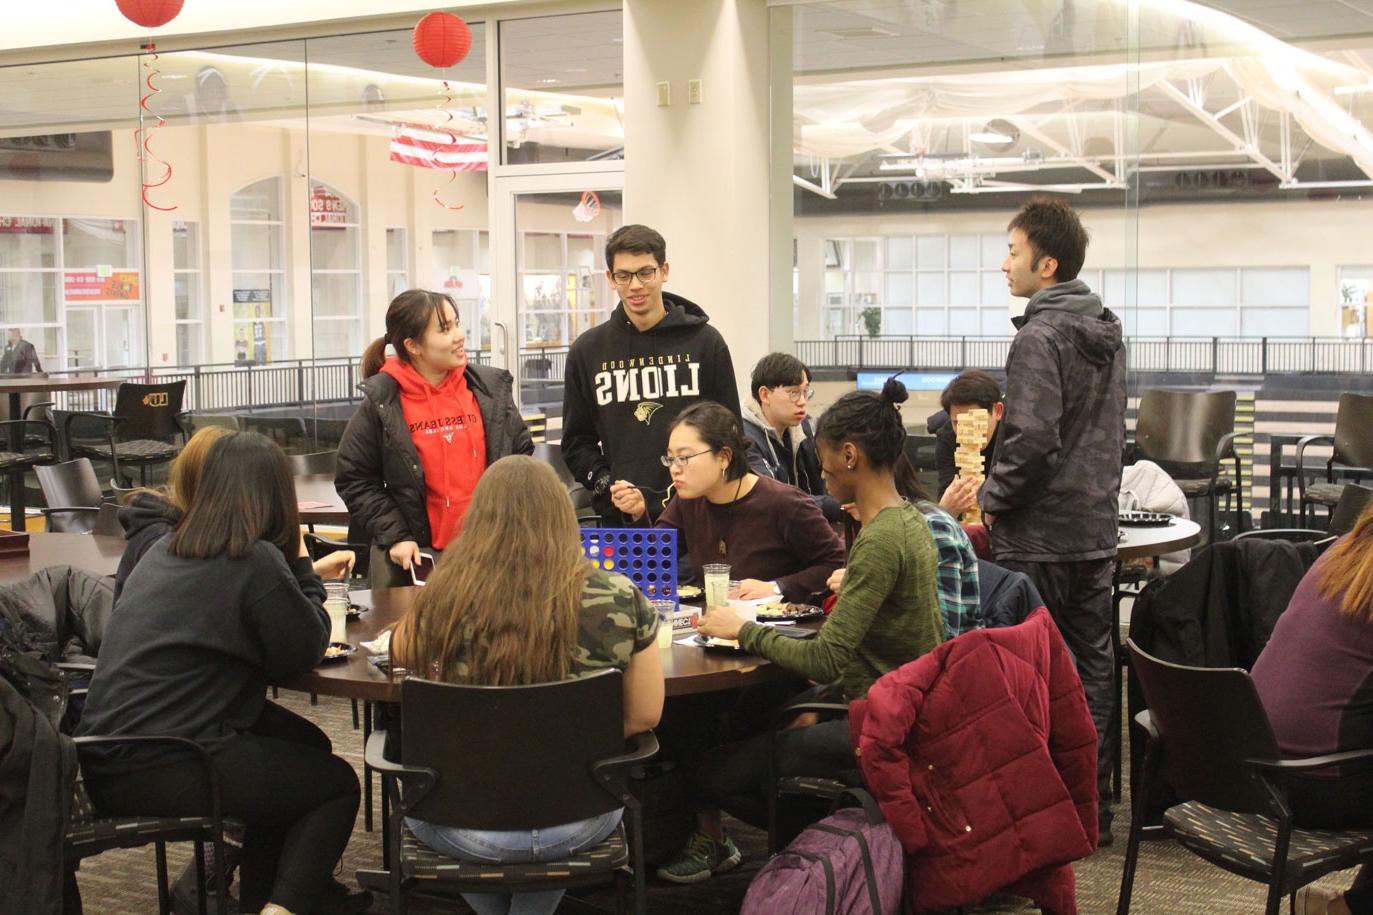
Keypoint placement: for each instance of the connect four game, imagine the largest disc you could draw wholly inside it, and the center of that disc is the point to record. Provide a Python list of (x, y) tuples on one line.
[(646, 557)]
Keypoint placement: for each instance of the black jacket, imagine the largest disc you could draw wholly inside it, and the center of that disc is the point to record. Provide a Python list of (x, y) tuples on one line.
[(624, 387), (146, 519), (1055, 487), (379, 476), (790, 459), (20, 359)]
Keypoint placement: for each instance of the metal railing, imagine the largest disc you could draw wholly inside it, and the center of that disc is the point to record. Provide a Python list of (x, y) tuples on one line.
[(1207, 355), (287, 383)]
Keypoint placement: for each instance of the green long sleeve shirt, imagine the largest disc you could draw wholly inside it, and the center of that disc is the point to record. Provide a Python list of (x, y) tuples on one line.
[(887, 613)]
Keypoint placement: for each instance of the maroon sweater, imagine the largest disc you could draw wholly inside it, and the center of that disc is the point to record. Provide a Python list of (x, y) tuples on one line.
[(775, 533), (1315, 675)]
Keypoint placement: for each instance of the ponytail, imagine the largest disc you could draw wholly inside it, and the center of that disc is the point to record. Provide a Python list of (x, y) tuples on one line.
[(871, 421), (373, 357)]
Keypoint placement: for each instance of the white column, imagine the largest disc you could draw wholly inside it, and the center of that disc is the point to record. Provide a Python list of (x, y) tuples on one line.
[(698, 173)]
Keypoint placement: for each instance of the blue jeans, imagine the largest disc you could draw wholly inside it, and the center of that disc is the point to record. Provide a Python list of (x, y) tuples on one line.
[(516, 847)]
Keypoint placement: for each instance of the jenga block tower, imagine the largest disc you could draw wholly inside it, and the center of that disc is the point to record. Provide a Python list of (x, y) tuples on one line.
[(971, 431)]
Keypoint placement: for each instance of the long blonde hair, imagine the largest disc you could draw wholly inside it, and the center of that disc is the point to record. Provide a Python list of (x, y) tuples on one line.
[(1347, 569), (184, 475), (501, 608)]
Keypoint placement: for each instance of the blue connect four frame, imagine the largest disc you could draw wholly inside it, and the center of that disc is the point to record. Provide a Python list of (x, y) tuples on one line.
[(646, 557)]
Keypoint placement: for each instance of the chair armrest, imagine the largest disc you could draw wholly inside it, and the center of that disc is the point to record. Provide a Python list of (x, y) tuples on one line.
[(1301, 459), (375, 757), (109, 420), (1226, 446), (48, 429), (1146, 721), (40, 405), (791, 711), (201, 755), (1353, 758), (640, 748), (60, 509), (74, 665)]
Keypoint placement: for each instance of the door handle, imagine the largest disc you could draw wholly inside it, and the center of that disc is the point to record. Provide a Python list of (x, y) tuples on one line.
[(505, 339)]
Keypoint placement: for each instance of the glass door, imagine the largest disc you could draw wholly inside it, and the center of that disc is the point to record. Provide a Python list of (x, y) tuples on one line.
[(82, 333), (119, 330)]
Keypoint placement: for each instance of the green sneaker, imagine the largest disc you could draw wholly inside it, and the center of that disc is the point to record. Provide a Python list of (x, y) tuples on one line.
[(699, 858)]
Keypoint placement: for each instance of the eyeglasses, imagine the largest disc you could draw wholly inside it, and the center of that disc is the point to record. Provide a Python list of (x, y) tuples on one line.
[(623, 277), (680, 461), (796, 395)]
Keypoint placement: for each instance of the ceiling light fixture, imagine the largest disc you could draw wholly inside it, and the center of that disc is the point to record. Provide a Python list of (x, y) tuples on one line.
[(990, 137)]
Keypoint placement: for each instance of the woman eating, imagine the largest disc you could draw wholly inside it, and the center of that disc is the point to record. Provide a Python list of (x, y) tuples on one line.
[(215, 612), (513, 603), (430, 422), (886, 615), (772, 535)]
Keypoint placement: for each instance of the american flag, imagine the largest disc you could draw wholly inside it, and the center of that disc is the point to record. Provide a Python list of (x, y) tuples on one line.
[(425, 147)]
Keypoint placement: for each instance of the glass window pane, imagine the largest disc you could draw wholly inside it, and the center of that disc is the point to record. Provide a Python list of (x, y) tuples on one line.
[(28, 243), (395, 250), (993, 250), (260, 201), (1204, 322), (185, 245), (335, 339), (187, 344), (931, 321), (28, 298), (931, 252), (336, 294), (899, 289), (93, 242), (864, 254), (896, 321), (1276, 286), (963, 251), (996, 322), (994, 289), (1202, 288), (964, 322), (930, 289), (186, 292), (564, 87), (256, 246), (334, 248), (1146, 322), (963, 289), (1275, 322), (900, 253), (259, 295), (259, 341)]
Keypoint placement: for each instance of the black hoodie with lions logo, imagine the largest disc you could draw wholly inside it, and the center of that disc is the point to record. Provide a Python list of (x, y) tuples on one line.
[(624, 387)]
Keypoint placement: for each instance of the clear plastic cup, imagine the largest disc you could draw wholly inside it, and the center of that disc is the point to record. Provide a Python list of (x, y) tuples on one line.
[(336, 605), (716, 580), (666, 609)]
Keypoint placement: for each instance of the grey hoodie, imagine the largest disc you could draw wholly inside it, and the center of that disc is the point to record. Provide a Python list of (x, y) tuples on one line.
[(1055, 486)]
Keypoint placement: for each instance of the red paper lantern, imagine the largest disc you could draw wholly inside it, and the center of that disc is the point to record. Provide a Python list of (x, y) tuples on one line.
[(441, 39), (150, 13)]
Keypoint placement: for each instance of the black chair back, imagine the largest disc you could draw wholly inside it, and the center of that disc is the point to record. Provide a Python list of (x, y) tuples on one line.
[(1211, 721), (149, 411), (71, 484), (1290, 534), (1354, 499), (491, 744), (552, 455), (26, 400), (286, 431), (1354, 431), (319, 462), (1183, 427)]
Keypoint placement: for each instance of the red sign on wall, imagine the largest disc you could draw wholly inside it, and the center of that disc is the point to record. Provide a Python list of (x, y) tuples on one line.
[(90, 286), (327, 210)]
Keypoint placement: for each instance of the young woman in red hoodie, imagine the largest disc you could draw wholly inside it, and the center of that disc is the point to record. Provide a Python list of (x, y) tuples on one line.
[(429, 424)]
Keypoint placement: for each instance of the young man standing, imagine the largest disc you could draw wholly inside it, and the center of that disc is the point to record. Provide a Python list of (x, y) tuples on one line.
[(971, 390), (628, 378), (20, 357), (1050, 502), (775, 422)]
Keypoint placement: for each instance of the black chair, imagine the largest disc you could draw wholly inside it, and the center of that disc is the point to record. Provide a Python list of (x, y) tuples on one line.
[(1353, 501), (1353, 450), (75, 502), (1290, 534), (1190, 434), (510, 757), (1220, 756), (552, 455), (88, 832), (830, 791), (194, 422), (303, 465), (145, 428), (24, 445), (286, 431)]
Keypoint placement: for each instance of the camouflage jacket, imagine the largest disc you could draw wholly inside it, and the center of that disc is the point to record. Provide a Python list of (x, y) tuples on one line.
[(615, 621), (1054, 488)]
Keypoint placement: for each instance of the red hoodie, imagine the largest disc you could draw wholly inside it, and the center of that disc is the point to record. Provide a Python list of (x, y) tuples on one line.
[(446, 427)]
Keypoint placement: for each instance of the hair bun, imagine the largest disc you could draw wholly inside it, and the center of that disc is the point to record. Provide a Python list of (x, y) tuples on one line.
[(894, 392)]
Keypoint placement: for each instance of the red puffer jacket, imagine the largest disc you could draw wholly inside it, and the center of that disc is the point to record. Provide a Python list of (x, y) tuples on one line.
[(982, 755)]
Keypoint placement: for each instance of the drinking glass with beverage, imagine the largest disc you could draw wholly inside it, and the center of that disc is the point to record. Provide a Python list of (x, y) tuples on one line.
[(716, 575), (336, 605), (666, 609)]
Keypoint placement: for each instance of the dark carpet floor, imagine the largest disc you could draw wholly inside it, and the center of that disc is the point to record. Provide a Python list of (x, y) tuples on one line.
[(1170, 880)]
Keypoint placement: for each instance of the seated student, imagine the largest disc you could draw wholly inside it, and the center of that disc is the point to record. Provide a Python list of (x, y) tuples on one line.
[(776, 424), (514, 603), (773, 536), (150, 515), (887, 615), (971, 390), (224, 606), (1313, 679), (960, 592)]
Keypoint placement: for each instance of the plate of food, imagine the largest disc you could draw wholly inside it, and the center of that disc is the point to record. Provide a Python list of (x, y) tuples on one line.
[(781, 611), (717, 644), (356, 610), (689, 592), (338, 651), (1145, 519)]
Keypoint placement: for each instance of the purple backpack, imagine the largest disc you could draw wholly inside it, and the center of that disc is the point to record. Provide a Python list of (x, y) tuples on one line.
[(850, 863)]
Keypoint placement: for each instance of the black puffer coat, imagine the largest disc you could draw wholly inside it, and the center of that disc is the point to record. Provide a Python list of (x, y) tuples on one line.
[(379, 476)]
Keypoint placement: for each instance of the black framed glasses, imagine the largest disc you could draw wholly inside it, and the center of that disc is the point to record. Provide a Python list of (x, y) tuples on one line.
[(680, 460), (625, 277)]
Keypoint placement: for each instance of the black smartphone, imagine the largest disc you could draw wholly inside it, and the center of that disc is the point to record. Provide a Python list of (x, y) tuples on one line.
[(420, 571)]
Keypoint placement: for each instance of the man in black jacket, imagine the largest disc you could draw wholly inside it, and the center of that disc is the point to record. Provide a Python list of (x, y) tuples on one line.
[(19, 358), (971, 390), (628, 378), (775, 421), (1050, 502)]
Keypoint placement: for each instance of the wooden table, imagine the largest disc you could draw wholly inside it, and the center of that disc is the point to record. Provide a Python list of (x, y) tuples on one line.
[(319, 487), (92, 553), (687, 669), (18, 385), (1146, 542)]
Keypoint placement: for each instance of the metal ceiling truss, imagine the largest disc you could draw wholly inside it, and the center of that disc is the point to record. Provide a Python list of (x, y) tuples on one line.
[(977, 174)]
